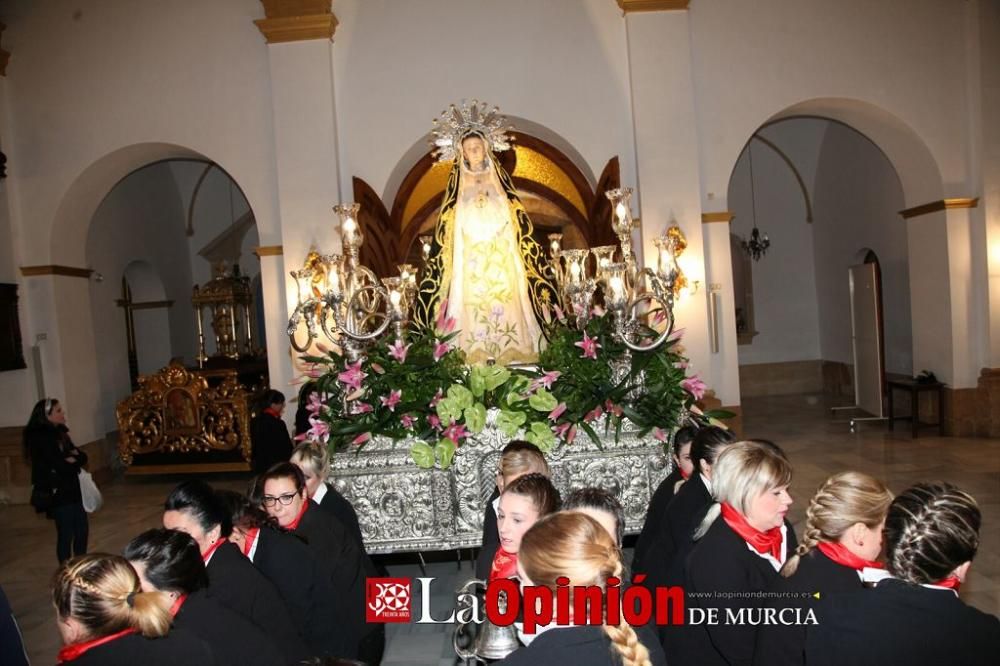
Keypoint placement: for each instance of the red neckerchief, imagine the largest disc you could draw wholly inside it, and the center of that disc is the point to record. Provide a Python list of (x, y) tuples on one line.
[(74, 650), (951, 583), (839, 553), (272, 412), (762, 542), (211, 549), (684, 475), (504, 565), (251, 536), (178, 602), (294, 525)]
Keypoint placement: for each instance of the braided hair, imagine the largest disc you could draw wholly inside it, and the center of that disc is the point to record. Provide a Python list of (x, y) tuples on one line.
[(102, 592), (843, 500), (574, 545), (931, 529)]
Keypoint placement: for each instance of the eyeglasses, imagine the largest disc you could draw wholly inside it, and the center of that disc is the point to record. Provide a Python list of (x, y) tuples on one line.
[(286, 499)]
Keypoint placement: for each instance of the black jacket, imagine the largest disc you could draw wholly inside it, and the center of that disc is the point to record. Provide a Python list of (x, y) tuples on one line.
[(655, 518), (901, 623), (784, 645), (346, 566), (579, 646), (270, 441), (176, 648), (233, 640), (720, 564), (235, 583), (675, 534), (49, 446), (491, 539), (343, 511), (304, 586)]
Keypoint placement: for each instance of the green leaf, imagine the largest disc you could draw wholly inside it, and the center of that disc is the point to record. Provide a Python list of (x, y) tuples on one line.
[(543, 401), (445, 451), (475, 417), (423, 455), (496, 376), (509, 421), (448, 410), (460, 395), (477, 382), (541, 436)]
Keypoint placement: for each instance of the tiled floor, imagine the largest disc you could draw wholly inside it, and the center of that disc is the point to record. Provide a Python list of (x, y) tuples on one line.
[(802, 425)]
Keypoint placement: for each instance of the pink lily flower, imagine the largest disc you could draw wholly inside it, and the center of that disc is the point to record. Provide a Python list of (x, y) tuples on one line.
[(589, 346), (561, 429), (612, 408), (440, 349), (315, 404), (593, 414), (681, 365), (598, 311), (398, 350), (434, 420), (407, 421), (352, 376), (560, 315), (323, 348), (546, 381), (392, 400), (455, 432), (571, 435), (558, 411), (378, 369), (659, 435), (437, 398), (361, 408), (319, 430), (314, 372), (361, 439), (676, 334), (444, 323), (694, 386)]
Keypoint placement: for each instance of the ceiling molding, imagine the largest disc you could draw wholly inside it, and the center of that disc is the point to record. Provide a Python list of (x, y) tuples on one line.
[(269, 250), (721, 216), (54, 269), (629, 6), (296, 20), (940, 204)]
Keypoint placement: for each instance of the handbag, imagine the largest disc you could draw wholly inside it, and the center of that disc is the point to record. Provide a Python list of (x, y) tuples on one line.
[(89, 492)]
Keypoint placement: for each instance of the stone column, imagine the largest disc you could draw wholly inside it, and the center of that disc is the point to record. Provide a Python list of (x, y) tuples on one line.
[(725, 377), (299, 35)]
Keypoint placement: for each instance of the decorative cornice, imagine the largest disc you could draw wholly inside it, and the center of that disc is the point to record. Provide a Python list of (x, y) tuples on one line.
[(721, 216), (628, 6), (296, 20), (941, 204), (269, 250), (4, 55), (53, 269)]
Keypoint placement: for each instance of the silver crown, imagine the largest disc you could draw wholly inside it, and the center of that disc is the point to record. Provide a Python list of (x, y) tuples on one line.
[(456, 122)]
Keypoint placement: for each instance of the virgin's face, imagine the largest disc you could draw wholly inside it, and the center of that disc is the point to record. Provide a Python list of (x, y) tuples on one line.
[(515, 515), (768, 509), (278, 490), (474, 151)]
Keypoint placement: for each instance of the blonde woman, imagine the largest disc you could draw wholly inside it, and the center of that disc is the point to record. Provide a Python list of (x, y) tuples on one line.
[(838, 553), (741, 543), (105, 618), (916, 617), (313, 459), (574, 545), (517, 459)]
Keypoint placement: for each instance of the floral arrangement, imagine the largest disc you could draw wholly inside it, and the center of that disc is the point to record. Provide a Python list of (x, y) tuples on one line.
[(423, 392)]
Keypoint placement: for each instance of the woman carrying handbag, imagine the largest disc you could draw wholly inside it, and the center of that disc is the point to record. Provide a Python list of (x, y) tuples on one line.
[(55, 468)]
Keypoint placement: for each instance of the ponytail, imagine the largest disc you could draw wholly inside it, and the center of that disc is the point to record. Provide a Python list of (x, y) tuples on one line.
[(149, 613), (714, 511)]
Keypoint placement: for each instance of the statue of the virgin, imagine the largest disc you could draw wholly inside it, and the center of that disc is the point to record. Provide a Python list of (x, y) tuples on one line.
[(484, 264)]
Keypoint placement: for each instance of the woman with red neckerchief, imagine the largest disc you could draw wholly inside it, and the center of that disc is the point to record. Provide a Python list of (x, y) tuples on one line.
[(170, 562), (106, 619), (915, 617), (838, 553), (740, 545), (282, 493), (194, 508), (269, 439)]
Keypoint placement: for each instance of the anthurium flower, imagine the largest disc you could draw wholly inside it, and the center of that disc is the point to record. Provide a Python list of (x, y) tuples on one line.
[(398, 350), (352, 376), (589, 346), (392, 399)]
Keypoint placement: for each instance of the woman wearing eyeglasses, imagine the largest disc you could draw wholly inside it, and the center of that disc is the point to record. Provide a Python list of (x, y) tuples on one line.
[(282, 493), (55, 470), (194, 508)]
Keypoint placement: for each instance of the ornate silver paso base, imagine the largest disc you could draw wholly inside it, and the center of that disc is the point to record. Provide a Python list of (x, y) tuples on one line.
[(404, 508)]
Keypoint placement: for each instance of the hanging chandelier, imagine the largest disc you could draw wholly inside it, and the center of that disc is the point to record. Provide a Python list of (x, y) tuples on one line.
[(758, 244)]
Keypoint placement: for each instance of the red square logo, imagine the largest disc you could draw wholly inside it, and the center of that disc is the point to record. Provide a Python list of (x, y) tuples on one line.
[(388, 600)]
